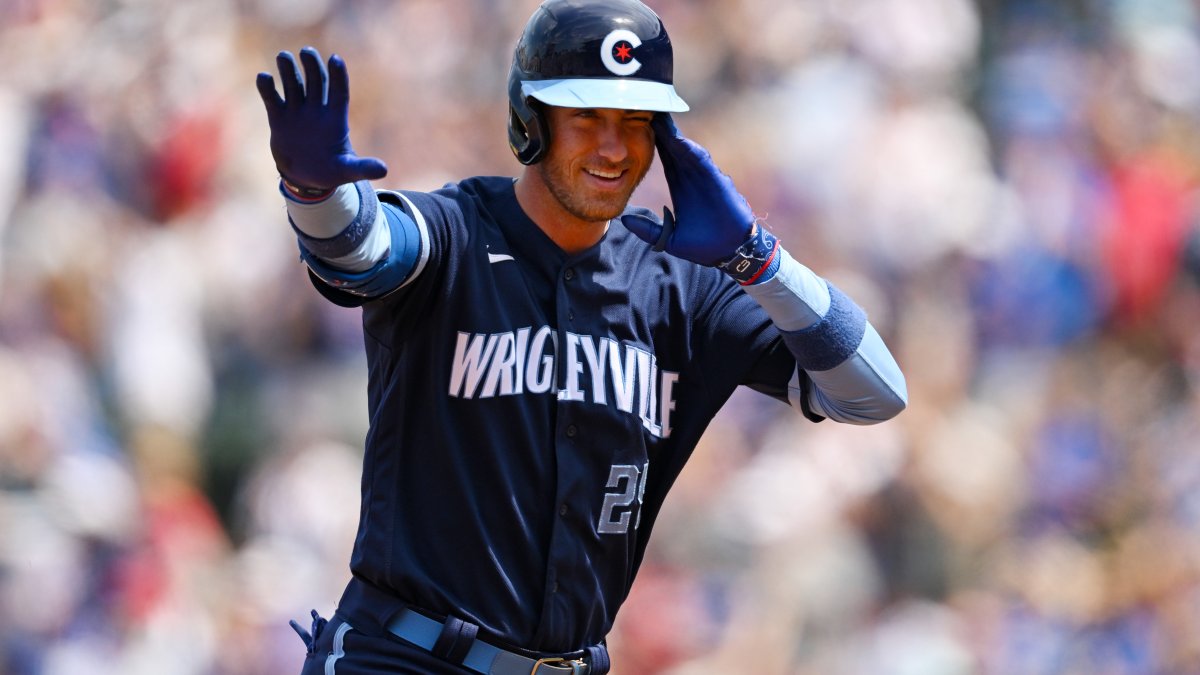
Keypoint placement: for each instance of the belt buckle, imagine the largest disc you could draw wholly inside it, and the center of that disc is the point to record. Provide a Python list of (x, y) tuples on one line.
[(578, 666)]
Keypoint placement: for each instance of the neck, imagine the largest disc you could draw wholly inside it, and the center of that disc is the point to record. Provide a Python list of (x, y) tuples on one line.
[(570, 233)]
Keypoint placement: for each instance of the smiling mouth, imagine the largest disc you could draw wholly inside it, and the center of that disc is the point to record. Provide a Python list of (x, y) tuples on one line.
[(605, 175)]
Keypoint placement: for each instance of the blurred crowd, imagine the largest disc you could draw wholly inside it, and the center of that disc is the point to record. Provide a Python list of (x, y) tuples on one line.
[(1007, 186)]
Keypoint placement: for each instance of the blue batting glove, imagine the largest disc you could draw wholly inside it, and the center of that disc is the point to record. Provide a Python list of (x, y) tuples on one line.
[(712, 220), (310, 126)]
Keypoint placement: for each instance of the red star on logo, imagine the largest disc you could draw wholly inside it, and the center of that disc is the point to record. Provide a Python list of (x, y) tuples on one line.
[(623, 49)]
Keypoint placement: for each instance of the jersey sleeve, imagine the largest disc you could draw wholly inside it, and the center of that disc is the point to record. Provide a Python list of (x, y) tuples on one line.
[(736, 343)]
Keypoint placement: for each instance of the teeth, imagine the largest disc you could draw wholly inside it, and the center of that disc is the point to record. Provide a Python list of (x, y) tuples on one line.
[(604, 174)]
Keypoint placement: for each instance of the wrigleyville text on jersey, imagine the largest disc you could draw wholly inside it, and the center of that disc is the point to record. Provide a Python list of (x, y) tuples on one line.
[(600, 370)]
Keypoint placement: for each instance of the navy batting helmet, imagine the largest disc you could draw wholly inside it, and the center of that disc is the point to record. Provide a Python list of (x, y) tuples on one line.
[(587, 54)]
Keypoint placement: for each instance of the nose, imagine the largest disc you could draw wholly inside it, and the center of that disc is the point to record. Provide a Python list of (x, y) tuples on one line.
[(611, 143)]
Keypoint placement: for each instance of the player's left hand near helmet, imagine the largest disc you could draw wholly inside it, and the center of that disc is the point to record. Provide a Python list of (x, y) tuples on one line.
[(711, 219), (310, 126)]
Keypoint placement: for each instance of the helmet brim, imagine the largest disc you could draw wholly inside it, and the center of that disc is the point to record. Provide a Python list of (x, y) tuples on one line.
[(623, 94)]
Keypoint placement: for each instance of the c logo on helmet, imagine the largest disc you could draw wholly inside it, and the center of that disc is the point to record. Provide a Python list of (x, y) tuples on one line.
[(612, 42)]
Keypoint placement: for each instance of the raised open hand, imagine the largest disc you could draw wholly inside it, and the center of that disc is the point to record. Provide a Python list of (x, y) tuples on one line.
[(310, 127)]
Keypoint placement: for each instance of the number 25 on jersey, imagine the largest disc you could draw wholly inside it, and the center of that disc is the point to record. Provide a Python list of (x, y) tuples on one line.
[(623, 503)]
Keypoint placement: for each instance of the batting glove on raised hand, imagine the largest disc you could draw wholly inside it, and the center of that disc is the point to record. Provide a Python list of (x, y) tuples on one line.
[(310, 126), (711, 221)]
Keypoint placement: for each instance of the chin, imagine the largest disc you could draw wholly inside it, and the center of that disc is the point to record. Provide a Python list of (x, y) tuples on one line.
[(601, 206), (601, 213), (593, 208)]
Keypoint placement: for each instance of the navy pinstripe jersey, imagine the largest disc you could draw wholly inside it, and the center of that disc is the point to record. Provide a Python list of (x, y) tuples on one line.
[(529, 410)]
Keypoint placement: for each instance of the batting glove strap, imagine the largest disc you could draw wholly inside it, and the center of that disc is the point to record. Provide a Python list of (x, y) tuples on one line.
[(755, 261), (302, 194)]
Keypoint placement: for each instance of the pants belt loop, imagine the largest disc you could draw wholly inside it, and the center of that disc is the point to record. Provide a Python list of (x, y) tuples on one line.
[(455, 640), (597, 657)]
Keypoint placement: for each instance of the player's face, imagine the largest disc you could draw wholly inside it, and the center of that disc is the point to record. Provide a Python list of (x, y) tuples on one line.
[(596, 158)]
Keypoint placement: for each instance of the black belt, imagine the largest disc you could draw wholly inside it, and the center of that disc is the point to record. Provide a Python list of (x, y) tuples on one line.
[(477, 655)]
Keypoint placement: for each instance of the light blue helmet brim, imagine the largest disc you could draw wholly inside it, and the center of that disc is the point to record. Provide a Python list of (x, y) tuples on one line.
[(624, 94)]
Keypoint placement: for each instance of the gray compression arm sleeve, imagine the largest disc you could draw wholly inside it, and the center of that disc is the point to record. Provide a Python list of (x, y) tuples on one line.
[(855, 378), (340, 217)]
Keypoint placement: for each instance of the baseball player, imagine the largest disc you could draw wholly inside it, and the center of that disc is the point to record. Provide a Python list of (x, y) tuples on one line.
[(543, 358)]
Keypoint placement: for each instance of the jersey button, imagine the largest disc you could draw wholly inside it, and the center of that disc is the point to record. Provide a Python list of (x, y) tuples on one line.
[(569, 274), (562, 510), (570, 315), (571, 431)]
